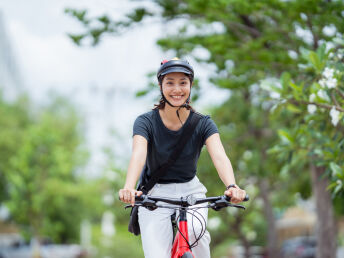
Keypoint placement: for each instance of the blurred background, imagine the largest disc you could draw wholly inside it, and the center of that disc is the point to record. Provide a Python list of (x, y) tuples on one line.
[(74, 75)]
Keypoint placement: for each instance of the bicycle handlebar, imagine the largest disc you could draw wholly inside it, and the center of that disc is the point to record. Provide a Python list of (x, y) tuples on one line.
[(216, 203)]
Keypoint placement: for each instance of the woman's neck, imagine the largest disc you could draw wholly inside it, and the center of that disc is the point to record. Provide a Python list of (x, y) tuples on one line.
[(170, 114)]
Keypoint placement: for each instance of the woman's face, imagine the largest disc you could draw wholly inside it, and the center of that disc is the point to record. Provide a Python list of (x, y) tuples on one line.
[(176, 88)]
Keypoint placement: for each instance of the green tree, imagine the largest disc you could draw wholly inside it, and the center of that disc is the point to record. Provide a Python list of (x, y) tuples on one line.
[(41, 179), (315, 99), (13, 117), (41, 162)]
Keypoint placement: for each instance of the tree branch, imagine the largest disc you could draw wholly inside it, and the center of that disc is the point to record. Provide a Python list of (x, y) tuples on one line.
[(293, 101), (250, 25), (315, 36), (340, 93), (334, 98)]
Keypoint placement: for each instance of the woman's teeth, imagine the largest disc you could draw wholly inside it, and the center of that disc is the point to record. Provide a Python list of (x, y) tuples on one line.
[(176, 97)]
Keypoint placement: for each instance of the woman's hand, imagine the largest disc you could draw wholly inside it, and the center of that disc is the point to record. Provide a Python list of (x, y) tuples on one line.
[(237, 195), (128, 195)]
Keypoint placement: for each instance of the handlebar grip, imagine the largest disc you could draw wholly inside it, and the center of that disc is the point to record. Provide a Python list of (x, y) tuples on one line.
[(139, 198)]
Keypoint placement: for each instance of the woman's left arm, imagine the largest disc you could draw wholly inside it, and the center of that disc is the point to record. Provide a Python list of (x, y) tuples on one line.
[(224, 167)]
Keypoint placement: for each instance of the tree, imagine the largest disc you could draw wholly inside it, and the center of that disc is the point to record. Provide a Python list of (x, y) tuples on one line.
[(41, 153), (13, 117), (315, 98)]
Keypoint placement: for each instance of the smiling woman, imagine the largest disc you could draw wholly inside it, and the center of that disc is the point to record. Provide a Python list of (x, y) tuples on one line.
[(156, 134)]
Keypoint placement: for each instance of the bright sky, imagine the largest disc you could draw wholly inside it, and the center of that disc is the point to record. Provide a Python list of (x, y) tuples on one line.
[(100, 80)]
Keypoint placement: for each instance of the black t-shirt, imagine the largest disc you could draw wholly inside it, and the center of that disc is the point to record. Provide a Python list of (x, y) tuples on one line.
[(161, 141)]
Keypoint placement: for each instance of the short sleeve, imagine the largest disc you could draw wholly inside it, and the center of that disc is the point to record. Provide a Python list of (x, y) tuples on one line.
[(208, 128), (141, 127)]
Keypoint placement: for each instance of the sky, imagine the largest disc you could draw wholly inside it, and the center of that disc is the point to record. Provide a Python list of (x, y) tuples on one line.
[(101, 81)]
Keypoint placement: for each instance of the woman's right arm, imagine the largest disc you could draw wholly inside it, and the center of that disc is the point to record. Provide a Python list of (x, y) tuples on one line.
[(137, 161)]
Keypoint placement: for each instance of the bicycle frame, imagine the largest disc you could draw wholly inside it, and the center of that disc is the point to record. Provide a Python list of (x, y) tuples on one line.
[(180, 244)]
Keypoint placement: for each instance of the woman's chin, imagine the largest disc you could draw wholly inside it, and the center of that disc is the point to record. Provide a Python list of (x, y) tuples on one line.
[(177, 103)]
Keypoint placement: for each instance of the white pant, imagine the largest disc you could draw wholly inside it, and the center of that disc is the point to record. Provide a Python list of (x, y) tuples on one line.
[(156, 228)]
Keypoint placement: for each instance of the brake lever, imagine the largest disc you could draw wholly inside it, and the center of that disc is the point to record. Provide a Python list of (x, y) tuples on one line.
[(223, 203), (237, 206), (148, 204), (129, 205)]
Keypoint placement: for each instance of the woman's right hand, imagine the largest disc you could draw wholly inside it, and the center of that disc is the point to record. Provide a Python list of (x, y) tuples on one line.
[(128, 195)]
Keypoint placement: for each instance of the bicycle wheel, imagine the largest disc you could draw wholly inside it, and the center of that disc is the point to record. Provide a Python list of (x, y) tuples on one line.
[(187, 255)]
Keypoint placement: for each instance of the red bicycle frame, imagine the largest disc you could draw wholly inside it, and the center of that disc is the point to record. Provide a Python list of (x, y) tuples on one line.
[(180, 245)]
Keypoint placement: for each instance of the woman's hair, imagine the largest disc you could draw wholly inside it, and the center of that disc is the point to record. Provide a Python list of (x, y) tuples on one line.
[(162, 102)]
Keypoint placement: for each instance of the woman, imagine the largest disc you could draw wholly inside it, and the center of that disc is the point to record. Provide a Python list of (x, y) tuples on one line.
[(155, 135)]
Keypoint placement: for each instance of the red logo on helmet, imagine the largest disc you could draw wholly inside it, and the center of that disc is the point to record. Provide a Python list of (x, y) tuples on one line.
[(164, 62)]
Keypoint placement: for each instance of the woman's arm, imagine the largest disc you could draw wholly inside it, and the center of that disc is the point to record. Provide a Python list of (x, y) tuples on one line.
[(137, 161), (224, 167)]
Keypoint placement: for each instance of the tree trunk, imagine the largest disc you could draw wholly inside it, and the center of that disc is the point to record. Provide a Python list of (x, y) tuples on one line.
[(325, 231), (242, 238), (273, 250)]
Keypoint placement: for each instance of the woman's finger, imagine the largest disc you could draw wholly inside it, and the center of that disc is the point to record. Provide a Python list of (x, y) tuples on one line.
[(127, 196), (121, 195), (139, 193), (132, 199)]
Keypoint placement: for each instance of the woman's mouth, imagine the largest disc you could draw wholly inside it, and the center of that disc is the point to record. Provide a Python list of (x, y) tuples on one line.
[(177, 97)]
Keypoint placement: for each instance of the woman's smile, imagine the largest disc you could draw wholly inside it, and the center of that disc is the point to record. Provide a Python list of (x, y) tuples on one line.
[(177, 96)]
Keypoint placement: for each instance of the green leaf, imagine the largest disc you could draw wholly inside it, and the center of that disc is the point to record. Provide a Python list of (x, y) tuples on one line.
[(275, 149), (141, 93), (297, 88), (337, 189), (317, 63), (293, 108), (285, 136), (285, 79), (332, 185), (77, 38), (336, 170), (321, 52)]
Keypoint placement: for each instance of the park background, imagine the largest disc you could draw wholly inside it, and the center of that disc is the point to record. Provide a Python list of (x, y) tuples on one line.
[(75, 74)]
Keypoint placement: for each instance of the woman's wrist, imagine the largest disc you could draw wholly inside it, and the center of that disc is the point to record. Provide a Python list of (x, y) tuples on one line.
[(232, 186)]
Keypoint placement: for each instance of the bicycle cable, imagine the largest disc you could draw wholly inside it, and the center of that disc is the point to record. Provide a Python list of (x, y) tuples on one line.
[(203, 228)]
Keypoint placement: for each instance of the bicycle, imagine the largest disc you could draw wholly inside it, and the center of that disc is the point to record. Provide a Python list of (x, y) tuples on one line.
[(181, 247)]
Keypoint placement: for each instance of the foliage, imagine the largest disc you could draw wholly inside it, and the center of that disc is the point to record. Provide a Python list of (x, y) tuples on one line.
[(13, 117), (41, 153), (315, 98)]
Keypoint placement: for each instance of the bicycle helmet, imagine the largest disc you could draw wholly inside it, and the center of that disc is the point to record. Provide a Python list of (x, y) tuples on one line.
[(173, 66)]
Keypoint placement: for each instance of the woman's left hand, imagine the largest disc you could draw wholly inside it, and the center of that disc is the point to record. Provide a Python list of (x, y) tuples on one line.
[(237, 195)]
